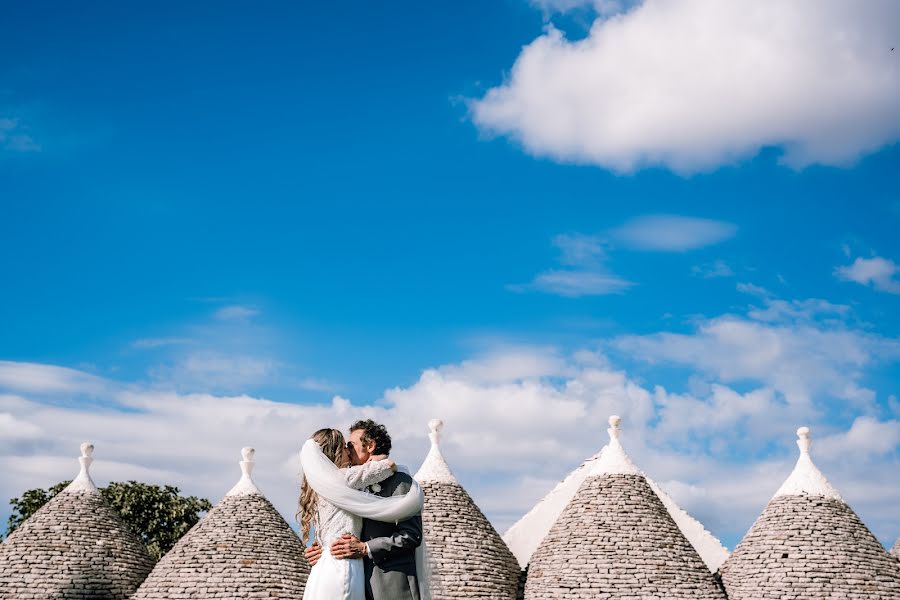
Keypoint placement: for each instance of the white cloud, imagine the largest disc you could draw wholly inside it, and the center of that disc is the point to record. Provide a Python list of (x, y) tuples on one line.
[(672, 233), (783, 311), (584, 257), (602, 7), (713, 270), (574, 284), (798, 360), (317, 385), (691, 85), (41, 378), (753, 290), (14, 139), (866, 438), (217, 371), (586, 273), (236, 312), (149, 343), (880, 273)]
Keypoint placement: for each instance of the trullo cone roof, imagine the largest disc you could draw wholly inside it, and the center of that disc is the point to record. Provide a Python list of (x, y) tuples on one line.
[(76, 546), (242, 548), (808, 543), (526, 534), (468, 557), (896, 549), (615, 539)]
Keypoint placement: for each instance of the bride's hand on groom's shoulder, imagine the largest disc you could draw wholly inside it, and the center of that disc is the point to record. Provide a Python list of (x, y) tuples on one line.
[(313, 554)]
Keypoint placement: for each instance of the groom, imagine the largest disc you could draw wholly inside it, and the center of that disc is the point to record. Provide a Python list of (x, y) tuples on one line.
[(388, 550)]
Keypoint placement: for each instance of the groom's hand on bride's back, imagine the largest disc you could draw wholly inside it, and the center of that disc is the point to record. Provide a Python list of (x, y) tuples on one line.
[(313, 554), (348, 546)]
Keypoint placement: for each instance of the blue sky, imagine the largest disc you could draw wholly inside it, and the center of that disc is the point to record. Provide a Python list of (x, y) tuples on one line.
[(451, 210)]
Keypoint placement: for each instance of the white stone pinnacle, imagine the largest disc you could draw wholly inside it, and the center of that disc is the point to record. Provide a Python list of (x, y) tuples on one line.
[(806, 479), (245, 486), (614, 460), (83, 482), (434, 467)]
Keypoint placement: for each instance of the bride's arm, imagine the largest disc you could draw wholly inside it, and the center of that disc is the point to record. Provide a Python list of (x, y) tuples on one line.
[(374, 471)]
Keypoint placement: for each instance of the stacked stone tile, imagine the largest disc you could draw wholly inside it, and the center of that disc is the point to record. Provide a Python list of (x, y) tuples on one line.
[(242, 548), (615, 539), (74, 547), (896, 549), (468, 557), (808, 543)]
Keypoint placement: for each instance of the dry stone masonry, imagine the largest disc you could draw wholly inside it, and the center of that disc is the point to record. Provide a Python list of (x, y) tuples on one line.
[(808, 543), (74, 547), (615, 539), (469, 559), (242, 548), (896, 549)]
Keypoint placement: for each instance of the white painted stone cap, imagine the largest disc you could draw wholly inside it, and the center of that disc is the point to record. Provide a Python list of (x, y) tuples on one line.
[(434, 468), (614, 460), (245, 485), (83, 482), (806, 479)]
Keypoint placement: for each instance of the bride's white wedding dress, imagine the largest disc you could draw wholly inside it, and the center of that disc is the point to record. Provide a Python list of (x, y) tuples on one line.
[(342, 579)]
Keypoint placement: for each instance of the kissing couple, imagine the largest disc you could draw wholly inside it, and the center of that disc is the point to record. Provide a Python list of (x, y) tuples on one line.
[(366, 515)]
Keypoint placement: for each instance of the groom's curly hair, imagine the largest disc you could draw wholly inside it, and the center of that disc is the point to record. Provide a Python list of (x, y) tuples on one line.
[(374, 432)]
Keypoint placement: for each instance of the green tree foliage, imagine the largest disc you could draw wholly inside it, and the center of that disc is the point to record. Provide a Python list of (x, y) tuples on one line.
[(156, 514)]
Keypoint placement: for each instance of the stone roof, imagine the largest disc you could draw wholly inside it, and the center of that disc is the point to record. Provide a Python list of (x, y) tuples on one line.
[(615, 539), (75, 546), (524, 537), (242, 548), (808, 543), (896, 549), (468, 557)]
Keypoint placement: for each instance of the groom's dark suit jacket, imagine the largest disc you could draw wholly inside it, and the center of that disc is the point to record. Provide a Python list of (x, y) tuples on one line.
[(391, 573)]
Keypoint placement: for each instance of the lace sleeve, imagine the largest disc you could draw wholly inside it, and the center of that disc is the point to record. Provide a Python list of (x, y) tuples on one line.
[(364, 475)]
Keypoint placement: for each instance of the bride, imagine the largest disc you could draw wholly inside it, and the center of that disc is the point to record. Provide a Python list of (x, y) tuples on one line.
[(332, 502)]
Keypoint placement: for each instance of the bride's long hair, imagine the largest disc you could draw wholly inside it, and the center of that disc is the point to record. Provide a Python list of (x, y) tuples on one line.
[(334, 447)]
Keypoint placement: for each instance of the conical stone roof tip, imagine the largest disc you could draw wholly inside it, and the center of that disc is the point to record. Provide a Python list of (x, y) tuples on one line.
[(245, 485), (616, 539), (614, 460), (434, 468), (242, 548), (75, 546), (806, 479), (468, 557), (83, 481), (808, 543)]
